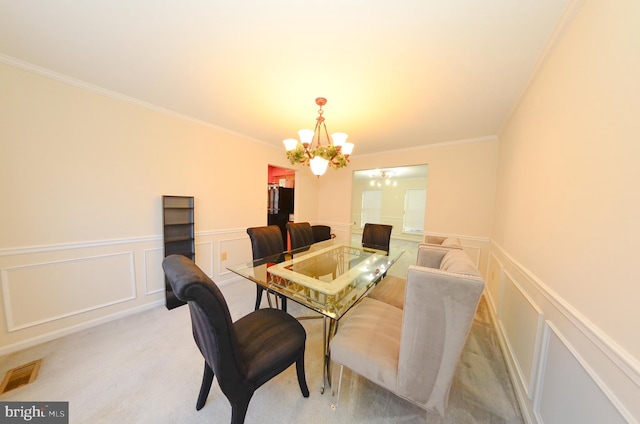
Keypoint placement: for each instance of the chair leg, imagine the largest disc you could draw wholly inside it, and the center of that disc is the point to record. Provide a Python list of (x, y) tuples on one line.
[(259, 291), (239, 408), (302, 380), (335, 405), (283, 300), (207, 379), (278, 305)]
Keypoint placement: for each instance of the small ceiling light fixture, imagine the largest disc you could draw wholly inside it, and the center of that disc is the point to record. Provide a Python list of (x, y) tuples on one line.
[(319, 156), (386, 176)]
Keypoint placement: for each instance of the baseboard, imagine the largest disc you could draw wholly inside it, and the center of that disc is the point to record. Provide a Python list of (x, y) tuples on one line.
[(24, 344)]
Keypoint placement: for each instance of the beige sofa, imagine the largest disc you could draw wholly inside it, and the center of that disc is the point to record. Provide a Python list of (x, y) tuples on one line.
[(407, 335)]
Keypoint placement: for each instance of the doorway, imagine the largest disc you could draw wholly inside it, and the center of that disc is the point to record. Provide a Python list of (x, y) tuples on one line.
[(395, 196), (281, 184)]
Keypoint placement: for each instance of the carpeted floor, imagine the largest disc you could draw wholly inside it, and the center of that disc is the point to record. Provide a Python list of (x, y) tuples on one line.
[(146, 369)]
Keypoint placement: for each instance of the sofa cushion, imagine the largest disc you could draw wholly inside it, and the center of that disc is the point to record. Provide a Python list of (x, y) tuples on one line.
[(368, 342)]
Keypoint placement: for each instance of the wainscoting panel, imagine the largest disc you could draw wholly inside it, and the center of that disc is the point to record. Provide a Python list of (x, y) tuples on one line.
[(205, 257), (569, 393), (65, 288), (343, 234), (233, 250), (493, 287), (154, 276), (521, 323), (51, 291), (473, 252), (564, 369)]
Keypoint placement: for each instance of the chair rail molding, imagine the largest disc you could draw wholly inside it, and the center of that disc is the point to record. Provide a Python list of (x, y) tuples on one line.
[(629, 365), (614, 372)]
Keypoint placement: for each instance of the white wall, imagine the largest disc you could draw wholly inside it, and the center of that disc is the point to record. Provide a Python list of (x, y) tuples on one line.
[(82, 176), (566, 233)]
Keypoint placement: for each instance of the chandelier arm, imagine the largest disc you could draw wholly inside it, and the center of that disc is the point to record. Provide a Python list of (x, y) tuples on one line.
[(307, 152), (326, 133), (317, 131)]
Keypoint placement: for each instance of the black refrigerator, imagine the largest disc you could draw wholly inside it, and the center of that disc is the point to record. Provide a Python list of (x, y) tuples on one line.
[(279, 208)]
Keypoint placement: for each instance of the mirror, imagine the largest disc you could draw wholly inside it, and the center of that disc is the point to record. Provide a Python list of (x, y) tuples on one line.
[(394, 196)]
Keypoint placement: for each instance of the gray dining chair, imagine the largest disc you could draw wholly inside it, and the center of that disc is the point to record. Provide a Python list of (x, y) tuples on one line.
[(411, 346)]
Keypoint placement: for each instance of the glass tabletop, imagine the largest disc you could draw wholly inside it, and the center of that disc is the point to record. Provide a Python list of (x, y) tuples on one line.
[(328, 277)]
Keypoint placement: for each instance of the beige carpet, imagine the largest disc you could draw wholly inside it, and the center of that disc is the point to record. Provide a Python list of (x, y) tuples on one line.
[(147, 369)]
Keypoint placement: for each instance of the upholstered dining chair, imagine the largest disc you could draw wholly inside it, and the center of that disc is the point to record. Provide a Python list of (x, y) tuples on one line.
[(321, 233), (300, 234), (244, 354), (266, 242), (376, 236), (411, 346)]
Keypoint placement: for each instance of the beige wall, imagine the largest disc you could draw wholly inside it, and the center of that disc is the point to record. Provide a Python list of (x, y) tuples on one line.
[(81, 179), (460, 186), (567, 230), (83, 173), (460, 191), (81, 166)]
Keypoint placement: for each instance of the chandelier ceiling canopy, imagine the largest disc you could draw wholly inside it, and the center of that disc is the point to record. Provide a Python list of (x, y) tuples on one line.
[(311, 151)]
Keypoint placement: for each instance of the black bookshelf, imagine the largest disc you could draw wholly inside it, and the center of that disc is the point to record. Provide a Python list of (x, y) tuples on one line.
[(179, 235)]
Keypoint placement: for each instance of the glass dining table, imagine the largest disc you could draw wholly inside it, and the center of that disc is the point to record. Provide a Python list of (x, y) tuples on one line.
[(328, 277)]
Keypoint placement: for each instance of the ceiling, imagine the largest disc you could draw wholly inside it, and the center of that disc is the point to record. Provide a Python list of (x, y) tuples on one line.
[(395, 74)]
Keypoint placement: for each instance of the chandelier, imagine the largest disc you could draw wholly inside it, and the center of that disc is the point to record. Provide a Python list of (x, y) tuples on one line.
[(319, 156)]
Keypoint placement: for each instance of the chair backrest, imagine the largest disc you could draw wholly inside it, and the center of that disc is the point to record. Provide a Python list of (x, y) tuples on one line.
[(265, 241), (300, 234), (321, 232), (210, 319), (429, 353), (451, 242), (446, 259), (376, 236)]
